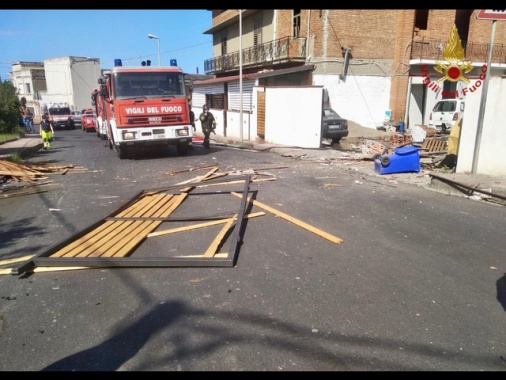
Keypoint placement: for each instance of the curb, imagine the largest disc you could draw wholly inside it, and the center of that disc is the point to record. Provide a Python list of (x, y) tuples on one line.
[(22, 152)]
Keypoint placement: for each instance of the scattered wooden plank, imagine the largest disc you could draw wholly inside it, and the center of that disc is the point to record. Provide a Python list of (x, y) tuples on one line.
[(200, 225), (18, 194), (189, 170), (16, 260), (323, 234), (213, 248)]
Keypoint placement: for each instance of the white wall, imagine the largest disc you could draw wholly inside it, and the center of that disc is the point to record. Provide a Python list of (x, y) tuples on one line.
[(71, 80), (84, 76), (362, 99), (233, 122), (58, 79), (293, 116), (491, 158)]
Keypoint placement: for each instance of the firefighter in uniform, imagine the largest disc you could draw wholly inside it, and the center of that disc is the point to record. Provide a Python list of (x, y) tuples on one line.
[(208, 124)]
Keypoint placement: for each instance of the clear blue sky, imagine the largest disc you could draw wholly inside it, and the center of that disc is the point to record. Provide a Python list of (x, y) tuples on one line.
[(35, 35)]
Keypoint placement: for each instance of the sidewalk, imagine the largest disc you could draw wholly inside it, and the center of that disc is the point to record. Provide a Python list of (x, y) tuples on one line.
[(24, 147), (491, 188)]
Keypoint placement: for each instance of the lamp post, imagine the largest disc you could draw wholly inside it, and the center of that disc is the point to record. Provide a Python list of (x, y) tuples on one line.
[(153, 37), (240, 75)]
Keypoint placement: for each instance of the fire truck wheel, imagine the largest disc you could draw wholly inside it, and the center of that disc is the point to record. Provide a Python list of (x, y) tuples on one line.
[(182, 149), (122, 153)]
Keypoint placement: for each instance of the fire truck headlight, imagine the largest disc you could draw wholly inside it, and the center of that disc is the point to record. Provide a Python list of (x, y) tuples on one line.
[(128, 135), (182, 132)]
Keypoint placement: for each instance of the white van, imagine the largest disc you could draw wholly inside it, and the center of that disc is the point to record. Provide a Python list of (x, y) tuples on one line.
[(445, 113)]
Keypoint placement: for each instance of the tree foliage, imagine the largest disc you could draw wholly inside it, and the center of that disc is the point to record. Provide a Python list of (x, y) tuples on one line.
[(9, 108)]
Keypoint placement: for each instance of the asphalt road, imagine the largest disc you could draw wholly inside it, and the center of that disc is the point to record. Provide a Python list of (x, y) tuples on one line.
[(418, 283)]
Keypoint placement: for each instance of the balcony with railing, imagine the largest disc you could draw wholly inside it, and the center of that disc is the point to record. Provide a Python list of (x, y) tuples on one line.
[(429, 49), (288, 49)]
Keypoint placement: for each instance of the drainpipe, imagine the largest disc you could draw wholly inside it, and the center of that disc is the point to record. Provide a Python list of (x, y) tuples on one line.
[(308, 31), (346, 62), (275, 24), (408, 100)]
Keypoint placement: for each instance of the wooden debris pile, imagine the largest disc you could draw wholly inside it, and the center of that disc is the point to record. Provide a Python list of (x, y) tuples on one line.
[(25, 178)]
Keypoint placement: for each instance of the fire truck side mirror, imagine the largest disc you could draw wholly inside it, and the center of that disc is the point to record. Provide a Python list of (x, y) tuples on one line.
[(103, 90)]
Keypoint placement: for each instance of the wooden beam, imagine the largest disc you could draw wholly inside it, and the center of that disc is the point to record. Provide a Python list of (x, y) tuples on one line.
[(200, 225), (323, 234)]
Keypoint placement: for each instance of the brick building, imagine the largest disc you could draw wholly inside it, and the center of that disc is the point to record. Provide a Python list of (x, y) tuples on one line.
[(370, 61)]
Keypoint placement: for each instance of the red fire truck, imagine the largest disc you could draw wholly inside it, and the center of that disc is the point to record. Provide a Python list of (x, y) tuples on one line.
[(146, 107), (98, 103)]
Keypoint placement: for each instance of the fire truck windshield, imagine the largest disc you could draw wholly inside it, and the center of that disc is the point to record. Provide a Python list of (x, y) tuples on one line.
[(149, 85)]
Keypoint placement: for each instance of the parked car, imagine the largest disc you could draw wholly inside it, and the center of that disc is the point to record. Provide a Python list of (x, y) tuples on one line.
[(88, 121), (445, 113), (334, 127), (76, 116)]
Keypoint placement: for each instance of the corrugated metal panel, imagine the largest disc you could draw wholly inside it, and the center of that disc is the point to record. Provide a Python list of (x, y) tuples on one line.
[(198, 99), (234, 100), (218, 88), (199, 93)]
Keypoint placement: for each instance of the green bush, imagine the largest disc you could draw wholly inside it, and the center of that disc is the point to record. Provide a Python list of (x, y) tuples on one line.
[(9, 108)]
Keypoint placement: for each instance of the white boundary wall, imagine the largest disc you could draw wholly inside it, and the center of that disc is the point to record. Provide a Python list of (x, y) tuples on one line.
[(362, 99), (491, 158)]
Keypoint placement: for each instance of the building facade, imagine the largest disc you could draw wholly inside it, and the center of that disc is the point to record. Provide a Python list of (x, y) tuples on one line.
[(369, 60), (67, 80), (378, 66)]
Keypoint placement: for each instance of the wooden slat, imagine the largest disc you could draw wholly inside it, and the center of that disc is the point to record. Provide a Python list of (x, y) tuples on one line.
[(111, 243), (434, 145), (149, 226), (105, 229), (200, 225), (326, 235), (213, 247)]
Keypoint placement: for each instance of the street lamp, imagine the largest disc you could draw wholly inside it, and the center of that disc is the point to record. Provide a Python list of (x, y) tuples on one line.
[(240, 75), (152, 36)]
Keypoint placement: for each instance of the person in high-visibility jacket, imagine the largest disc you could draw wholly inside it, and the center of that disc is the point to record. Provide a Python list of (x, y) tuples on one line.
[(208, 124), (46, 131)]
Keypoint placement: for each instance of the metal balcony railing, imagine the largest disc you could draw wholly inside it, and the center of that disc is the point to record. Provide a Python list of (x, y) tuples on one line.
[(474, 52), (282, 50), (294, 49)]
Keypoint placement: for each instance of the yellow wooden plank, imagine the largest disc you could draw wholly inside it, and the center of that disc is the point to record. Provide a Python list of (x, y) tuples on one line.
[(151, 226), (134, 227), (200, 225), (213, 248), (300, 223), (106, 229), (16, 260)]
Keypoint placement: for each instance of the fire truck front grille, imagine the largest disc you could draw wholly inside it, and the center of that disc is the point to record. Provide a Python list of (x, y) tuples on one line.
[(149, 120)]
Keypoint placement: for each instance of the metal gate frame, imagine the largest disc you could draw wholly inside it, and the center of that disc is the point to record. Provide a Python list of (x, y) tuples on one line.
[(44, 258)]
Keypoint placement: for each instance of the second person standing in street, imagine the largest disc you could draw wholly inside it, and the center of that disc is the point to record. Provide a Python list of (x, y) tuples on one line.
[(208, 124)]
